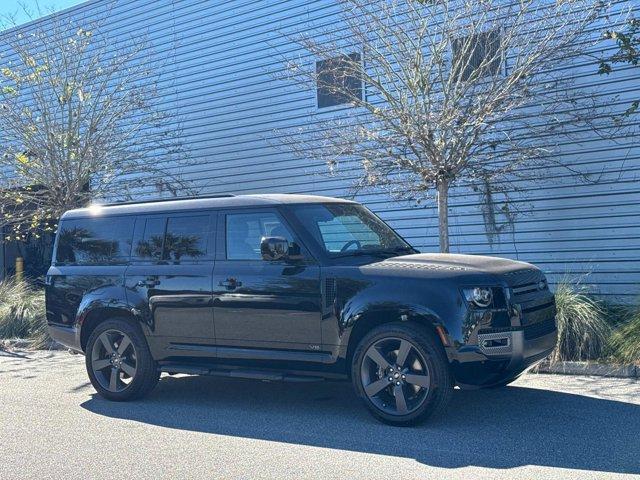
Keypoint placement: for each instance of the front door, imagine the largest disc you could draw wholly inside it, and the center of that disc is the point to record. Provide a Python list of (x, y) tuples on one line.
[(260, 303), (170, 276)]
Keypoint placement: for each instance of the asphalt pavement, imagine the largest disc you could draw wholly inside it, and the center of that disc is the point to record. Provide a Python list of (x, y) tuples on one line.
[(52, 425)]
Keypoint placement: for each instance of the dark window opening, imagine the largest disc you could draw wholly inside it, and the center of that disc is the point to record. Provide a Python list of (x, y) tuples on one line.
[(479, 52), (338, 84)]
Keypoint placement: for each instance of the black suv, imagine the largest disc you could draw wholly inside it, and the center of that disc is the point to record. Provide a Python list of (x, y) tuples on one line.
[(288, 287)]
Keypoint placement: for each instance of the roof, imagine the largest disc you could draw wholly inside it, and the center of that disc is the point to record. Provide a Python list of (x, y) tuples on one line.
[(204, 203)]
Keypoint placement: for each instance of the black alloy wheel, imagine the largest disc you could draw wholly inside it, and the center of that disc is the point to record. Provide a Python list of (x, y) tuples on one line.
[(395, 376), (401, 372), (118, 361), (114, 360)]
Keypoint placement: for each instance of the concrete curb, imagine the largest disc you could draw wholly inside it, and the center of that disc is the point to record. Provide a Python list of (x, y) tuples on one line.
[(586, 368), (26, 344)]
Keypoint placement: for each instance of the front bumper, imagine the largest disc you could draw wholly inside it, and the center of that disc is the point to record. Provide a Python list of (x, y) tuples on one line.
[(501, 356)]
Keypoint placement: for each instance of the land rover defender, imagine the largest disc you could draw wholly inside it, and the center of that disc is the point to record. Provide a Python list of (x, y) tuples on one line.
[(292, 288)]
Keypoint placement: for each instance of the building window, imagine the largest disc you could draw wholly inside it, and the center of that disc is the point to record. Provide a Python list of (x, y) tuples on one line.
[(480, 51), (337, 82)]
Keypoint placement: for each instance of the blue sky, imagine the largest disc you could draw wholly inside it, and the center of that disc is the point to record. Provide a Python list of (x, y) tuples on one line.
[(13, 7)]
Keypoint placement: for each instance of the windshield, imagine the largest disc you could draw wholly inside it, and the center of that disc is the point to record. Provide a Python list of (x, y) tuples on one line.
[(349, 229)]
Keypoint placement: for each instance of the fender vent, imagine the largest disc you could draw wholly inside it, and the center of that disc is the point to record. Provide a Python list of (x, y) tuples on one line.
[(329, 292)]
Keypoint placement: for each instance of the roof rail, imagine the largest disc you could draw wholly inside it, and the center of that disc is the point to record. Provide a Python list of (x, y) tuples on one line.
[(157, 200)]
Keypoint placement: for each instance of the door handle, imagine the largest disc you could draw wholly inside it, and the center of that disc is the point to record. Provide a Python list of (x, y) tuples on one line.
[(149, 282), (230, 283)]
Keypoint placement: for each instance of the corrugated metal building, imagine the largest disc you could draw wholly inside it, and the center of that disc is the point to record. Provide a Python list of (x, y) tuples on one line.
[(221, 80)]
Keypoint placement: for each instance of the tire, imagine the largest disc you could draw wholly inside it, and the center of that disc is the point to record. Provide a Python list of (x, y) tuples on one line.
[(118, 361), (422, 387)]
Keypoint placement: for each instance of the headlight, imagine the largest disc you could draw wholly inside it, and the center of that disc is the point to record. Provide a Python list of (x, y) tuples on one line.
[(479, 296)]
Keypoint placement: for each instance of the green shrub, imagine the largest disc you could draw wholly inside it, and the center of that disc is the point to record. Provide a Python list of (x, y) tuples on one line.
[(583, 330), (624, 345), (22, 312)]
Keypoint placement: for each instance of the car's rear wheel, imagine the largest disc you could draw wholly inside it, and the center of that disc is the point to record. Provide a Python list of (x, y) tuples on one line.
[(402, 374), (118, 361)]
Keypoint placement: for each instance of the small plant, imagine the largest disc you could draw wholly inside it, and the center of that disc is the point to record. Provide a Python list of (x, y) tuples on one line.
[(624, 345), (22, 312), (583, 329)]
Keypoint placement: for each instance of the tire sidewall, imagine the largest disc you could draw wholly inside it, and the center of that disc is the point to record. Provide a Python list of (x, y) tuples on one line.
[(146, 367)]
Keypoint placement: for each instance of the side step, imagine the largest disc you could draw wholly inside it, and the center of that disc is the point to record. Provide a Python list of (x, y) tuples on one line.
[(238, 373)]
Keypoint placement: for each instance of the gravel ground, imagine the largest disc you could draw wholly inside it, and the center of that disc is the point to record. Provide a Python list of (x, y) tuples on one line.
[(544, 426)]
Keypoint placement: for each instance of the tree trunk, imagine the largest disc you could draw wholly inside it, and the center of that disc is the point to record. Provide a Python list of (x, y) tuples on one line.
[(443, 215)]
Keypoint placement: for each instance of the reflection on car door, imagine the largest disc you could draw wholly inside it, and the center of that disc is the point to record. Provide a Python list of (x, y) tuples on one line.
[(259, 303), (170, 275)]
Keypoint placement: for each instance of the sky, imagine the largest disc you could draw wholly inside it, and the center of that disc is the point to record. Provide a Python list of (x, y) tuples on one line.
[(13, 7)]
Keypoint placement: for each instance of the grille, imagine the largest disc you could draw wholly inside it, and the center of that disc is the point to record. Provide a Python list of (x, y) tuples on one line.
[(540, 329), (329, 292)]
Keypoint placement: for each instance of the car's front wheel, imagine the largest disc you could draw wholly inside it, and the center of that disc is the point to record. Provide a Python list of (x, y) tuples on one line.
[(118, 361), (401, 373)]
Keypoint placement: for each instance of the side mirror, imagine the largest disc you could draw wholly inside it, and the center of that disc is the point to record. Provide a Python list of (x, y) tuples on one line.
[(274, 248)]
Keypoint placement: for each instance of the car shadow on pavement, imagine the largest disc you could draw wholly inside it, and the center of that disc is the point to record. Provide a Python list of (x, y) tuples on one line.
[(505, 428)]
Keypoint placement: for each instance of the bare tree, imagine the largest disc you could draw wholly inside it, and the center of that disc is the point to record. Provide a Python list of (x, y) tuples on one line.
[(448, 93), (80, 120), (627, 53)]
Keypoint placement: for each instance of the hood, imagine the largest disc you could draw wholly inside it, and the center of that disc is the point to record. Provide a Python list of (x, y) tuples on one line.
[(447, 265), (471, 263)]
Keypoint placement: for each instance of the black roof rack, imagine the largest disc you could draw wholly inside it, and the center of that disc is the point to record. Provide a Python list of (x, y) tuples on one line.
[(171, 199)]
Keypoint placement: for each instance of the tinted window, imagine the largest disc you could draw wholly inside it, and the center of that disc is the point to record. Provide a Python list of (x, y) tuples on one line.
[(97, 241), (245, 231), (149, 247), (174, 239), (186, 238)]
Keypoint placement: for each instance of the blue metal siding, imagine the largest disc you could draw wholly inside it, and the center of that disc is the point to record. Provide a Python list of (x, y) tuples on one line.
[(221, 60)]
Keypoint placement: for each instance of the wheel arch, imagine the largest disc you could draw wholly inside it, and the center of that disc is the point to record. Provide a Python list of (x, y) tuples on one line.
[(92, 318), (370, 319)]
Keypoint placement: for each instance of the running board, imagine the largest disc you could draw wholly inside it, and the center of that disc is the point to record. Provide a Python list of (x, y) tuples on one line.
[(238, 373)]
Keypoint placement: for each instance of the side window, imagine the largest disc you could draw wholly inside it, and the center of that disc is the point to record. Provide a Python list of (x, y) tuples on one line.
[(149, 246), (186, 238), (244, 231), (173, 239), (95, 241)]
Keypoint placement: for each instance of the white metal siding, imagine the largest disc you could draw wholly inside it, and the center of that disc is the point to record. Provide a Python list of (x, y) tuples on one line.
[(221, 59)]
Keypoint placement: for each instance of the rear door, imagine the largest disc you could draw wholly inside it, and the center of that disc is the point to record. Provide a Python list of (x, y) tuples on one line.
[(170, 276), (259, 303)]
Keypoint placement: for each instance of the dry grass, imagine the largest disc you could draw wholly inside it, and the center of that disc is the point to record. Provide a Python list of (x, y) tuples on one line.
[(624, 345), (583, 330), (22, 312)]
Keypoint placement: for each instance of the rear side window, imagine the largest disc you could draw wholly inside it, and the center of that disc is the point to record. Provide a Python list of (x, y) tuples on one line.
[(173, 239), (186, 238), (95, 241)]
